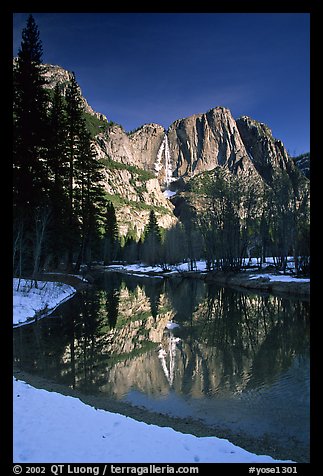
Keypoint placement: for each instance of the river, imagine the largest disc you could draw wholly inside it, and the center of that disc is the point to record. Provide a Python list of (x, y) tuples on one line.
[(233, 363)]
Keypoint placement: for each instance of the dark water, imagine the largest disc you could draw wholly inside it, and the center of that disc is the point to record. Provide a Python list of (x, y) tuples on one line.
[(238, 363)]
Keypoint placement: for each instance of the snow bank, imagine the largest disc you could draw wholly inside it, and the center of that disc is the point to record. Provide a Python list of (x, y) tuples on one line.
[(142, 268), (27, 302), (280, 278), (169, 193), (200, 267), (50, 427)]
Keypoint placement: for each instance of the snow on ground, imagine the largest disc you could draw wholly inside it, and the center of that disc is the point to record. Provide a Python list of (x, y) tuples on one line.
[(200, 267), (280, 278), (142, 269), (28, 301), (50, 427), (169, 193)]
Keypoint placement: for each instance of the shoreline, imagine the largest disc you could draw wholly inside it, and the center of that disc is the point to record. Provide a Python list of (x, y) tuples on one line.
[(262, 281), (243, 280), (141, 414), (262, 284)]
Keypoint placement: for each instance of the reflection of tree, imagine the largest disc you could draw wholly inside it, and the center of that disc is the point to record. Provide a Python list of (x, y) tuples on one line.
[(153, 290), (111, 283), (231, 329), (112, 306), (82, 328), (132, 283), (184, 295), (287, 339)]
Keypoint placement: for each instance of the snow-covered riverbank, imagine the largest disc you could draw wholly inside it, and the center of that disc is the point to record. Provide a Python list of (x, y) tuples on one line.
[(200, 267), (50, 427), (31, 301), (250, 278)]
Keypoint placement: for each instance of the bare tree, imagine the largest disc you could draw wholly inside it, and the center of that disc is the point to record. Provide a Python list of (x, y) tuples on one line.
[(19, 248), (41, 221)]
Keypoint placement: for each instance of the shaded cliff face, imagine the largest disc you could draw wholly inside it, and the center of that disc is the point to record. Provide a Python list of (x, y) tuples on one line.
[(268, 155), (303, 163)]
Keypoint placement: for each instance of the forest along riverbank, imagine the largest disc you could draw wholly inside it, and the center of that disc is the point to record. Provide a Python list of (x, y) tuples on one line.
[(262, 280)]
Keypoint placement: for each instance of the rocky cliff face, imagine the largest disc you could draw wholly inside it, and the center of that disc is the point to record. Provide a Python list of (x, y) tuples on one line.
[(268, 155), (132, 191), (134, 196), (303, 163), (146, 143), (199, 143), (204, 141), (131, 187), (55, 74)]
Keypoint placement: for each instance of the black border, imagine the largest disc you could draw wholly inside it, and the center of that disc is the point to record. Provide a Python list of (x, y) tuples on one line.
[(235, 6)]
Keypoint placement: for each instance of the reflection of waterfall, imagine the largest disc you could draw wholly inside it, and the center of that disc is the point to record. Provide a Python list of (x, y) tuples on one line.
[(162, 354), (163, 152)]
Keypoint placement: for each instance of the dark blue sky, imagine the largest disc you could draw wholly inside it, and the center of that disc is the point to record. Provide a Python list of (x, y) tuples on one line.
[(155, 67)]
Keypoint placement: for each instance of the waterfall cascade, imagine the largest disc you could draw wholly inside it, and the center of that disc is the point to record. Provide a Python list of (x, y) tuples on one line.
[(164, 160)]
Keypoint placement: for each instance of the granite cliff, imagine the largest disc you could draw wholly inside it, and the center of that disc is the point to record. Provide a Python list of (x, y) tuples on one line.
[(127, 181), (200, 143), (140, 165)]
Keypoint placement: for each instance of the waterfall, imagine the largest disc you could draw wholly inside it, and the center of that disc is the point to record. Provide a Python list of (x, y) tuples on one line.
[(158, 164), (163, 160), (168, 166)]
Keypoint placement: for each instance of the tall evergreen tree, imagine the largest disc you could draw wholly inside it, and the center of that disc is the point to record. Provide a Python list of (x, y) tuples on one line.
[(90, 196), (57, 164), (57, 161), (111, 236), (75, 126), (152, 228), (151, 248), (30, 145), (30, 101)]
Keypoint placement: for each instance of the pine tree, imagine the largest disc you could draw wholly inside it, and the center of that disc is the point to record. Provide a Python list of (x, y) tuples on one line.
[(151, 248), (111, 236), (57, 163), (30, 144), (90, 196), (75, 126), (152, 229), (57, 160), (30, 126)]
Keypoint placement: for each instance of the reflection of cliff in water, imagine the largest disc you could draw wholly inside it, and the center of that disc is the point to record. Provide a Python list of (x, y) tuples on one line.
[(113, 339)]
